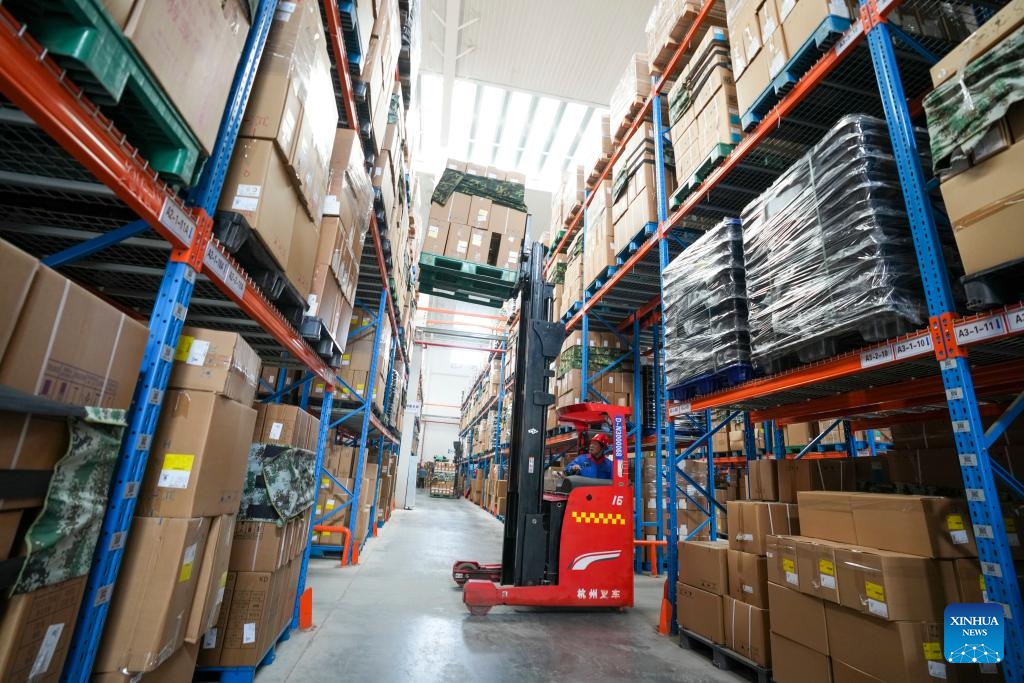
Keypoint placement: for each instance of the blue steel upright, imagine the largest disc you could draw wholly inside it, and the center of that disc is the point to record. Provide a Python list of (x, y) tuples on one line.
[(165, 326), (321, 446), (972, 445), (388, 388)]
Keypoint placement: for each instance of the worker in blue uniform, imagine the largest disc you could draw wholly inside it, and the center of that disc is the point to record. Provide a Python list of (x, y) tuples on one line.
[(594, 463)]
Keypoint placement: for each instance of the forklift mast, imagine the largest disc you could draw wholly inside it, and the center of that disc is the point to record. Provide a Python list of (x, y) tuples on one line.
[(524, 552)]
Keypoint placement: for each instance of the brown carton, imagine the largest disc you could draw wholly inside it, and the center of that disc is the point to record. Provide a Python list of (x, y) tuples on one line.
[(962, 580), (436, 237), (751, 522), (258, 187), (479, 246), (794, 662), (199, 456), (763, 480), (254, 604), (258, 547), (889, 585), (748, 578), (704, 565), (814, 475), (17, 269), (747, 631), (929, 526), (213, 577), (154, 595), (817, 569), (981, 41), (36, 631), (188, 43), (890, 651), (798, 617), (457, 245), (700, 612), (221, 362), (179, 667), (212, 642), (827, 515)]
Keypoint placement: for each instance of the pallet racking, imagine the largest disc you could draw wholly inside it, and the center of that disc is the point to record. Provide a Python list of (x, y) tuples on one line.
[(150, 249), (872, 65)]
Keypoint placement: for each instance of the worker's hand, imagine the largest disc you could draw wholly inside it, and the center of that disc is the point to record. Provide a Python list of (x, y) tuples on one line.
[(572, 469)]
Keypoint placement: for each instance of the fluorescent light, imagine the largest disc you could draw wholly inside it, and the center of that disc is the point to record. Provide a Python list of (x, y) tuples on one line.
[(515, 121), (463, 104), (487, 120)]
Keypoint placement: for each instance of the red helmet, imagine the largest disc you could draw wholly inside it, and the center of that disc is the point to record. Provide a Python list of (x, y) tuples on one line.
[(602, 439)]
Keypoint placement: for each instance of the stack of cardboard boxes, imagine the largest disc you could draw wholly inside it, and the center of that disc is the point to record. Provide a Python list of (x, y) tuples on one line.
[(380, 60), (46, 319), (862, 590), (476, 486), (634, 186), (567, 201), (176, 560), (616, 386), (356, 364), (279, 171), (495, 493), (475, 228), (599, 235), (668, 24), (630, 92), (703, 110)]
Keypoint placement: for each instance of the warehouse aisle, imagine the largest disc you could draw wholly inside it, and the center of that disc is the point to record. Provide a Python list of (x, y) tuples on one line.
[(399, 617)]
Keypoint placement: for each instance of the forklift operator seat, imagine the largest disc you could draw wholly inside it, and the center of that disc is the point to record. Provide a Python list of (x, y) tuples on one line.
[(574, 482)]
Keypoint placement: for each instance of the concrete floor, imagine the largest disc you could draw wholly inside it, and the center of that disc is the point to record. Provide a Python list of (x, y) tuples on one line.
[(399, 617)]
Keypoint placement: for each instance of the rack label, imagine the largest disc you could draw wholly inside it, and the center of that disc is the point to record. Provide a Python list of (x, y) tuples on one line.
[(848, 39), (174, 218), (219, 266), (917, 346), (677, 409), (980, 329), (1015, 320), (878, 356)]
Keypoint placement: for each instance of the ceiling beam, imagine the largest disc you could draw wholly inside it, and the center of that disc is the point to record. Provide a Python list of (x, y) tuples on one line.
[(551, 136), (500, 128), (584, 127), (531, 114)]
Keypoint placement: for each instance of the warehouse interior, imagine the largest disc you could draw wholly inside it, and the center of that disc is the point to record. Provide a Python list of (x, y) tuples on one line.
[(437, 339)]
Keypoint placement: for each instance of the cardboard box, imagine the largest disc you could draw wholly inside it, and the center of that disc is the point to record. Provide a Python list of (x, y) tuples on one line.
[(479, 246), (213, 577), (221, 362), (747, 631), (794, 662), (844, 673), (981, 41), (803, 18), (888, 585), (179, 667), (782, 561), (889, 651), (748, 578), (154, 595), (827, 515), (258, 186), (17, 270), (457, 245), (119, 10), (212, 642), (199, 457), (962, 580), (929, 526), (763, 480), (36, 629), (798, 617), (258, 547), (817, 567), (700, 612), (814, 475), (10, 523), (980, 205), (704, 565), (188, 43), (436, 237), (751, 522)]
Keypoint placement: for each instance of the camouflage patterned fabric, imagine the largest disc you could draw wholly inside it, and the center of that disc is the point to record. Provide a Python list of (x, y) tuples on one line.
[(501, 192), (280, 483), (962, 110), (396, 102), (62, 539)]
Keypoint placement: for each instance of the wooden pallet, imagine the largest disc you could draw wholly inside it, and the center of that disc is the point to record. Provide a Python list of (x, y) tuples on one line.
[(723, 658)]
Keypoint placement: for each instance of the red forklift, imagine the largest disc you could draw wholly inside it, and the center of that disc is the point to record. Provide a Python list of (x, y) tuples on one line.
[(568, 548)]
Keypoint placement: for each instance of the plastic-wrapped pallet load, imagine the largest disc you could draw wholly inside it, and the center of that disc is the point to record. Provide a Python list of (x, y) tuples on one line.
[(706, 307), (829, 258)]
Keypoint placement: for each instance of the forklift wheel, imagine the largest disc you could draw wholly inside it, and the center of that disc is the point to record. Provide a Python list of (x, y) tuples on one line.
[(460, 573), (478, 610)]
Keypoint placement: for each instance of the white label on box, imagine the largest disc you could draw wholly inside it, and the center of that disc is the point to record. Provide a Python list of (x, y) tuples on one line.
[(197, 352), (284, 11), (1015, 320), (187, 563), (332, 205), (220, 595), (744, 537), (46, 649), (878, 608), (249, 633), (980, 329), (245, 203), (917, 346), (275, 430), (792, 578), (248, 190), (210, 639), (174, 218), (748, 589), (827, 581), (937, 670), (176, 471), (959, 537), (878, 356)]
